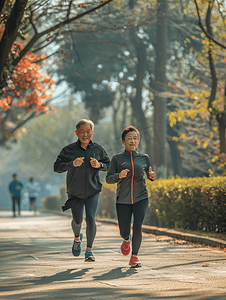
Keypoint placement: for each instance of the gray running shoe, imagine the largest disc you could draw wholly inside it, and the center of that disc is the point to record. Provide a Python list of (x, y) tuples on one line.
[(76, 248), (89, 256)]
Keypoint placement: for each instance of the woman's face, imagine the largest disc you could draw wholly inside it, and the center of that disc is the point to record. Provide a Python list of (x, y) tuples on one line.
[(131, 141)]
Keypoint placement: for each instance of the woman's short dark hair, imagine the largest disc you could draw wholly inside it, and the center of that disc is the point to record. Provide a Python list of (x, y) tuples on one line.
[(128, 129)]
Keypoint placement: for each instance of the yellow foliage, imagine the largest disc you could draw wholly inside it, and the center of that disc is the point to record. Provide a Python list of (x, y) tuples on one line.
[(214, 158), (205, 144), (183, 135)]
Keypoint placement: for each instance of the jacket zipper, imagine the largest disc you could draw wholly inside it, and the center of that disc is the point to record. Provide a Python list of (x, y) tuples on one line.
[(85, 173), (131, 156)]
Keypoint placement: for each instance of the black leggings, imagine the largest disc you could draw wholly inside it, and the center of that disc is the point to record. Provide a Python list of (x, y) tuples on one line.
[(124, 213), (77, 210)]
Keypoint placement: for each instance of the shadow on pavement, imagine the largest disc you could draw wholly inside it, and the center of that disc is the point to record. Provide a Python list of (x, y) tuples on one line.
[(97, 293), (67, 275), (116, 274)]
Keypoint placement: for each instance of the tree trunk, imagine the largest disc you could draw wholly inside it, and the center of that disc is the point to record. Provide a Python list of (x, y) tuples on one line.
[(10, 33), (136, 102), (160, 103), (221, 118)]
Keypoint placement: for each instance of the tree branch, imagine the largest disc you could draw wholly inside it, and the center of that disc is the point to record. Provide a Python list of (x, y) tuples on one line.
[(210, 36), (59, 25)]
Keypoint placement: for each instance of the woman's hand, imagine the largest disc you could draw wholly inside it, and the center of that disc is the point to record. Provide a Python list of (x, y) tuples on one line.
[(152, 175), (123, 173)]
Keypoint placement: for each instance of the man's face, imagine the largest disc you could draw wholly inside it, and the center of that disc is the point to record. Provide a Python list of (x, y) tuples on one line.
[(15, 178), (84, 134)]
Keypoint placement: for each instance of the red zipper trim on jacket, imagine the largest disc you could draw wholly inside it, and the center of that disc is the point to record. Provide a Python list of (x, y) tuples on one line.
[(131, 155)]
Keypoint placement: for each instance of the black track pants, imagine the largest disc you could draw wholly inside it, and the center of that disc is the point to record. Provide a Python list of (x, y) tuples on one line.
[(77, 210)]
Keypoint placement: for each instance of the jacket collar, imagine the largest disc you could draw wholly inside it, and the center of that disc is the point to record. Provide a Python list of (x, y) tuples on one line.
[(79, 143), (127, 153)]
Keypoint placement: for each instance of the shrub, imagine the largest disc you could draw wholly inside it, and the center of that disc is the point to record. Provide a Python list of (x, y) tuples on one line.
[(189, 202)]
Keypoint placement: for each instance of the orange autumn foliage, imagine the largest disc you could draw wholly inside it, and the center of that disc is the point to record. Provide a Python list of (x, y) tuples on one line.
[(30, 88)]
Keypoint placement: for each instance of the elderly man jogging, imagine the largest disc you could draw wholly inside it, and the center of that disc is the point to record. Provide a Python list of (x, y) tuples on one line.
[(82, 161)]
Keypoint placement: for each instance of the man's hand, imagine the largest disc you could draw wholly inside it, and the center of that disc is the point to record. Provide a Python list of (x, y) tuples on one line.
[(123, 173), (152, 175), (95, 163), (78, 161), (18, 187)]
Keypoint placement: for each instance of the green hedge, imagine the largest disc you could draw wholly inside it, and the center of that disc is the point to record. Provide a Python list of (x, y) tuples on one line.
[(190, 203)]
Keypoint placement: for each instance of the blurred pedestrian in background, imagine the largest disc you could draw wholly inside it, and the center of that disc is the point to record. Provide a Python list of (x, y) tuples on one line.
[(82, 161), (15, 188), (128, 170), (33, 189)]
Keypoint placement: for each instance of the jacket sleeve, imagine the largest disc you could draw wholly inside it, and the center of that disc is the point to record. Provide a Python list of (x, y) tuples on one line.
[(61, 164), (147, 168), (112, 175), (105, 161)]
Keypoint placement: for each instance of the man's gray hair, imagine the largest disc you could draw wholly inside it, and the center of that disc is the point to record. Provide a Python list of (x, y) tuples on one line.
[(85, 122)]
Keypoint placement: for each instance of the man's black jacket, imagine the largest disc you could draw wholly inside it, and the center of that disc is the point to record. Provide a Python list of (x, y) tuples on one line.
[(83, 181)]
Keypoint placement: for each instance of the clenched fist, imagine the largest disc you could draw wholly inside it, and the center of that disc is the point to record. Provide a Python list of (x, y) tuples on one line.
[(78, 161), (94, 163), (123, 173), (152, 175)]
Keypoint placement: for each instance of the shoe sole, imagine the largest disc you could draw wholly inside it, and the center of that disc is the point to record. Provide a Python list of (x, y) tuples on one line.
[(135, 266), (89, 259)]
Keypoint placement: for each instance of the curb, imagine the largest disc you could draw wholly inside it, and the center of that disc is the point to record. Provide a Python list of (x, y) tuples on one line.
[(159, 231), (176, 234)]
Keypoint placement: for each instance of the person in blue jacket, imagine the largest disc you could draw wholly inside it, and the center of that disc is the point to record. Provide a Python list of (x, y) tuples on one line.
[(128, 169), (15, 188)]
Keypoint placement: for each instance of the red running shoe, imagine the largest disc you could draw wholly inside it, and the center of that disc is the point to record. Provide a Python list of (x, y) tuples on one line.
[(134, 262), (125, 248)]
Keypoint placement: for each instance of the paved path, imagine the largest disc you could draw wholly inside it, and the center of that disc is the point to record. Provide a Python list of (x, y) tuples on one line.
[(36, 263)]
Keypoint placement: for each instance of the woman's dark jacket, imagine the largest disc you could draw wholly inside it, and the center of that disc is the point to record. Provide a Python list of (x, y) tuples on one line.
[(132, 188), (83, 181)]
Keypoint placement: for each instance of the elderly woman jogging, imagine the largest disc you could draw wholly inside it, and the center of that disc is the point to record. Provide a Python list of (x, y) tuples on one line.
[(128, 170)]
